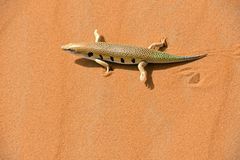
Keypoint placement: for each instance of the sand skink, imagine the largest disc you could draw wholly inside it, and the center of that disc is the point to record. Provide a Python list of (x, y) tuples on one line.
[(102, 52)]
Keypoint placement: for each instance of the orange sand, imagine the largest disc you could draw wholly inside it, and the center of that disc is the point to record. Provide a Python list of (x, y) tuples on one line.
[(54, 106)]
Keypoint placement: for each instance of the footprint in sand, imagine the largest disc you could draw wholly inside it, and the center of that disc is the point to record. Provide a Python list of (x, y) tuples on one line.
[(194, 77)]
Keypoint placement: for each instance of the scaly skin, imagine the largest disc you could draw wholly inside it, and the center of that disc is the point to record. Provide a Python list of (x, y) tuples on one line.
[(102, 52), (129, 54)]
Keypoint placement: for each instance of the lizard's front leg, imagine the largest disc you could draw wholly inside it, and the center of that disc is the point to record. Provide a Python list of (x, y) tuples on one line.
[(158, 45), (98, 37), (143, 72), (105, 65)]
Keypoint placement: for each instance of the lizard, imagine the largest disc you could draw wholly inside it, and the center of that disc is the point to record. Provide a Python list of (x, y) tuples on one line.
[(102, 52)]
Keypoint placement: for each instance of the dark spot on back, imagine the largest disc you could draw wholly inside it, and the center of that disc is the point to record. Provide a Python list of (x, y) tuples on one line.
[(101, 57), (112, 59), (122, 60), (133, 60), (90, 54)]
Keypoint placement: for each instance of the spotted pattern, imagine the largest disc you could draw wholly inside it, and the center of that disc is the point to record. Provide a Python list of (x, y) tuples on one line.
[(133, 60), (122, 60), (112, 59), (90, 54)]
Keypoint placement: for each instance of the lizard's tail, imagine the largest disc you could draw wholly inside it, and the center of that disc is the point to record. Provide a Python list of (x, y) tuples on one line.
[(190, 58), (168, 58)]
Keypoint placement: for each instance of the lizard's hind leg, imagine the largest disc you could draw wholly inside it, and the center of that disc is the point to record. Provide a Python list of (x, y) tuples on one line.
[(143, 72), (159, 45), (98, 37), (105, 65)]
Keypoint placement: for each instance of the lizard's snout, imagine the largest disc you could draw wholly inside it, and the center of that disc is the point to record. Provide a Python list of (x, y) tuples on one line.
[(67, 46)]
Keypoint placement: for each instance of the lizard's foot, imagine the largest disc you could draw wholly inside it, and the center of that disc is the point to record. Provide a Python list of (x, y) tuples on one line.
[(98, 37), (143, 77), (143, 72), (159, 45), (163, 41), (108, 72), (105, 65)]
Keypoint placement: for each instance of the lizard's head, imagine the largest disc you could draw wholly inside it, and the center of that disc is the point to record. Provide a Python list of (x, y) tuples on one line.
[(76, 48)]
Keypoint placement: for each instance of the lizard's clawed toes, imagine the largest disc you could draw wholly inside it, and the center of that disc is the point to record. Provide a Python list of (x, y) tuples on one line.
[(106, 74), (143, 77), (164, 42)]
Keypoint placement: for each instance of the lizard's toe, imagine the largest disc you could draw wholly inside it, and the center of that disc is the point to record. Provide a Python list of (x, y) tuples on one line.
[(143, 77), (164, 41), (106, 74)]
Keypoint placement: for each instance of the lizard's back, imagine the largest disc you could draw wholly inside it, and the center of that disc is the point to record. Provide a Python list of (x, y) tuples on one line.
[(132, 55)]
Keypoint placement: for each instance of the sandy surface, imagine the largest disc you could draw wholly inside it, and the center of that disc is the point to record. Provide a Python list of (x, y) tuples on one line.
[(55, 106)]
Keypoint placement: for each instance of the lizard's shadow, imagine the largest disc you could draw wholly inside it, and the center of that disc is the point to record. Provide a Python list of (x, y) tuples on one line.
[(149, 68)]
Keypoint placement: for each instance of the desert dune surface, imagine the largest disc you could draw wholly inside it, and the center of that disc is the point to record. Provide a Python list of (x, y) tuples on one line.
[(57, 106)]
